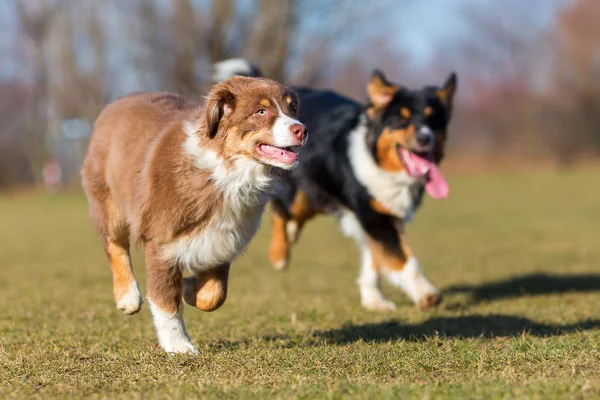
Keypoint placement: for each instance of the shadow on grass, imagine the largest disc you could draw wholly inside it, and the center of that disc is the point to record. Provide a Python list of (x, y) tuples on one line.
[(529, 285), (494, 326), (473, 326)]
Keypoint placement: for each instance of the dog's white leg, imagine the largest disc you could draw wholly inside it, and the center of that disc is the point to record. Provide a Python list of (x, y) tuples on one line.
[(291, 231), (368, 281), (172, 336), (412, 280)]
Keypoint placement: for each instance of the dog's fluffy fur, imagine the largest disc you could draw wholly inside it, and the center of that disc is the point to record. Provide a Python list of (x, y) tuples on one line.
[(190, 184)]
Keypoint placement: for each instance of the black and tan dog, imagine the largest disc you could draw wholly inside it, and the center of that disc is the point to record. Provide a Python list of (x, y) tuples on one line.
[(368, 166)]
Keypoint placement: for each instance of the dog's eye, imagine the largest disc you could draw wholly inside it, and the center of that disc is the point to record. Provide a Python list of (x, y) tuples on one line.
[(427, 112), (261, 113)]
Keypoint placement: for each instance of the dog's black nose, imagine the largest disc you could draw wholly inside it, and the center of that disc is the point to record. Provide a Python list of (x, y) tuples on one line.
[(424, 140)]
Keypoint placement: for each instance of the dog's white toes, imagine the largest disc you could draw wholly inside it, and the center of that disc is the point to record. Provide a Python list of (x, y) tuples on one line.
[(181, 347), (379, 305), (280, 265), (172, 335), (131, 302)]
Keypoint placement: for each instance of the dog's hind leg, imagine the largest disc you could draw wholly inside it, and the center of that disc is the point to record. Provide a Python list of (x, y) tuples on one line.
[(115, 234), (286, 227), (301, 211), (164, 281), (125, 287), (279, 248)]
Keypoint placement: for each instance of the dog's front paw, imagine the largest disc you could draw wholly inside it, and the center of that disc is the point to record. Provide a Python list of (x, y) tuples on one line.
[(131, 301), (180, 347), (279, 255), (280, 265), (429, 301)]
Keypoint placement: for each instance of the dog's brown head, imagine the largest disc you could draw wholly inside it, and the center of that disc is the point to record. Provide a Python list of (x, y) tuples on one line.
[(255, 118)]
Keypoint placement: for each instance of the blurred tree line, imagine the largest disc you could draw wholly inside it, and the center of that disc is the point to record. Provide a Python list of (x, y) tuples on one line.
[(524, 92), (530, 93)]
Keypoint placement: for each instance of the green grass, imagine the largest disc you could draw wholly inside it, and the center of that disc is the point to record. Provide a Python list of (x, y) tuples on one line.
[(516, 254)]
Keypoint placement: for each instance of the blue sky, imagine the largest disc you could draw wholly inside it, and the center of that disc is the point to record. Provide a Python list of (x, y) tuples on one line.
[(431, 23)]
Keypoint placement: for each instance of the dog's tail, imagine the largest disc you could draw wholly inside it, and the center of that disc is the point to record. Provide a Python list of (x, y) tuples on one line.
[(225, 69)]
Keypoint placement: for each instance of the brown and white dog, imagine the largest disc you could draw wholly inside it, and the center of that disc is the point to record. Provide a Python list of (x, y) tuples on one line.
[(190, 184)]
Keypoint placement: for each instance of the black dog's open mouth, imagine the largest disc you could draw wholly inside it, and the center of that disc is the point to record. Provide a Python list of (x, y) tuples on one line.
[(416, 163), (421, 164)]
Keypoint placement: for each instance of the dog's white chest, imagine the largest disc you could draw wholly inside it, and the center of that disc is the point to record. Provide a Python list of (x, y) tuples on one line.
[(244, 186), (395, 190), (224, 238)]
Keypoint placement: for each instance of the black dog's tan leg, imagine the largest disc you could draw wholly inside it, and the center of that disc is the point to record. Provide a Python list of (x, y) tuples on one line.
[(207, 290), (402, 269), (286, 228), (279, 248), (164, 296), (301, 211)]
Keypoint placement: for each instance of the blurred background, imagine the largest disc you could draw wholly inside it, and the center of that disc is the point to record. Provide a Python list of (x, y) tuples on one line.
[(529, 71)]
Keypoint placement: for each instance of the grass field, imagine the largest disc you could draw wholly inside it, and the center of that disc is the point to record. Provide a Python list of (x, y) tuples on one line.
[(517, 256)]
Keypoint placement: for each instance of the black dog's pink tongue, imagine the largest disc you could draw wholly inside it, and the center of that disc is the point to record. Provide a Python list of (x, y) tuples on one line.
[(417, 166), (436, 186)]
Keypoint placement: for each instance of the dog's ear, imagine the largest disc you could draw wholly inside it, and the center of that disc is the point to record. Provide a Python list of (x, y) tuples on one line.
[(381, 91), (446, 93), (221, 102), (293, 102)]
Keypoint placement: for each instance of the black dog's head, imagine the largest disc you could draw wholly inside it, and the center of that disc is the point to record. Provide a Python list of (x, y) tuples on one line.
[(407, 128)]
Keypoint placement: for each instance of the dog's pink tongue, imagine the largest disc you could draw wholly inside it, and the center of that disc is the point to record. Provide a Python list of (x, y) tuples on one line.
[(436, 185), (278, 154)]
